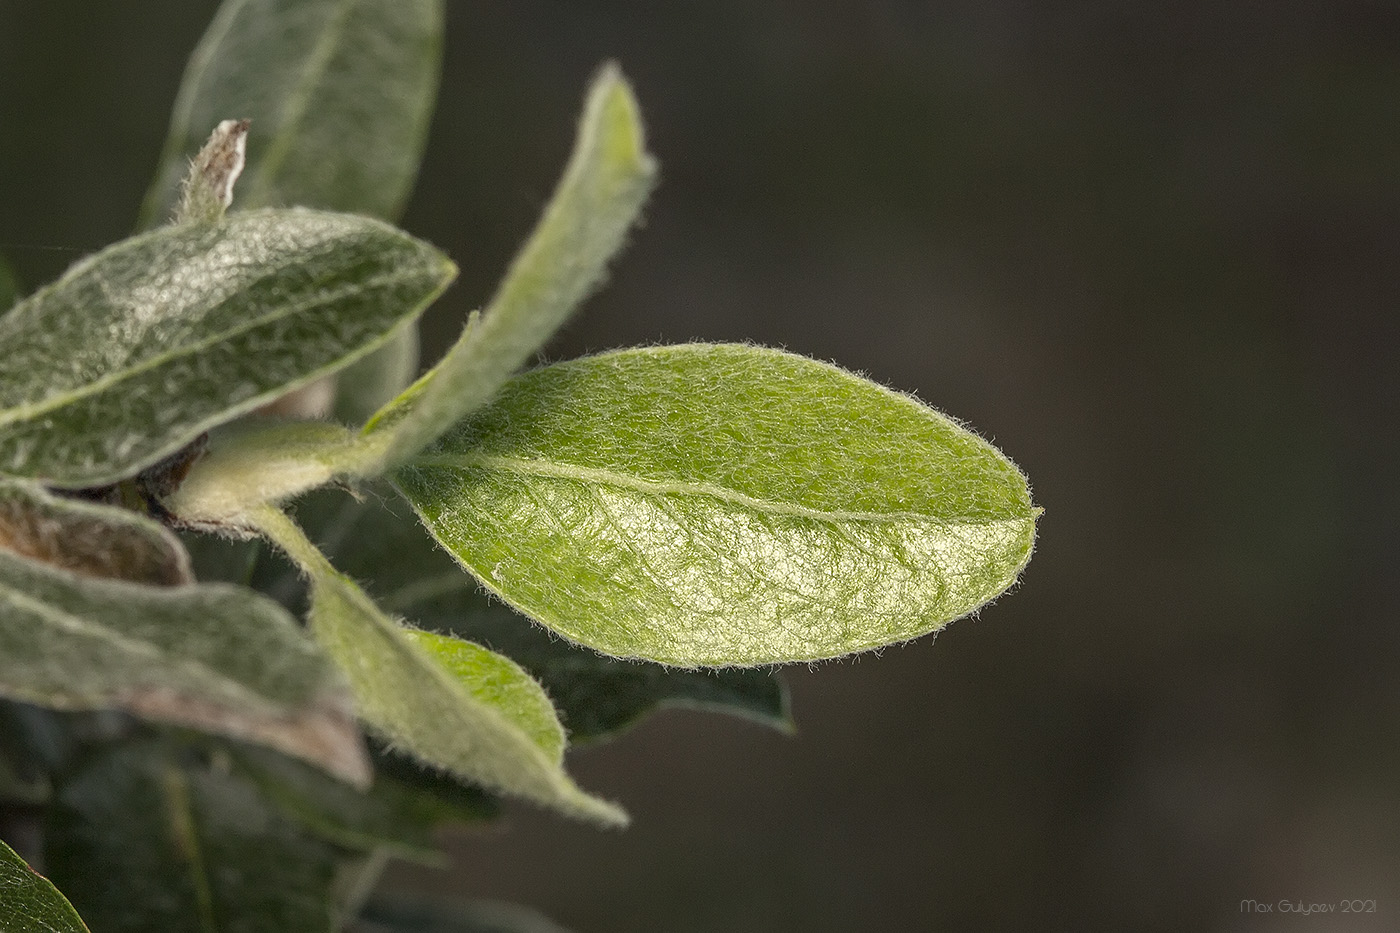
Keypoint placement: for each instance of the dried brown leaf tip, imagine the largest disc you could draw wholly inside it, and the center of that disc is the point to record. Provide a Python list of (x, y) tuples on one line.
[(208, 188)]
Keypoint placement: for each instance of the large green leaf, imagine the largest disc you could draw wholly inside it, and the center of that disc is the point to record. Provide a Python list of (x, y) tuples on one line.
[(137, 350), (218, 658), (339, 93), (29, 903), (88, 538), (724, 505), (423, 698), (598, 199), (148, 836)]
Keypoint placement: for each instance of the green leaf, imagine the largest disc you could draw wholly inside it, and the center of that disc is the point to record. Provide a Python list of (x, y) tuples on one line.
[(89, 539), (29, 903), (724, 505), (401, 915), (147, 836), (363, 387), (498, 682), (421, 705), (137, 350), (339, 94), (598, 199), (213, 657), (378, 542)]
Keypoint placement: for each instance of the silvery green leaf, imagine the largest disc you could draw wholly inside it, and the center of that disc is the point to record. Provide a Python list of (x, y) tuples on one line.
[(140, 348), (598, 199), (423, 701), (718, 505), (148, 836), (88, 538), (339, 95), (210, 656), (29, 903)]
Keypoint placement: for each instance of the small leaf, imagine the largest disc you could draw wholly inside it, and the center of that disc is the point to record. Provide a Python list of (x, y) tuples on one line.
[(417, 703), (145, 836), (139, 349), (724, 505), (599, 198), (498, 682), (29, 903), (339, 95), (214, 657), (89, 539)]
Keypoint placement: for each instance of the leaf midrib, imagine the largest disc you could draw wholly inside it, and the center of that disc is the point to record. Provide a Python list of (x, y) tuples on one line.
[(30, 411), (555, 470)]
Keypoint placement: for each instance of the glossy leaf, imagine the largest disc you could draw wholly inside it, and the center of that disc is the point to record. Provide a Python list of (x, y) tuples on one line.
[(89, 539), (213, 657), (147, 836), (598, 199), (29, 903), (137, 350), (421, 705), (724, 505), (339, 95), (377, 541)]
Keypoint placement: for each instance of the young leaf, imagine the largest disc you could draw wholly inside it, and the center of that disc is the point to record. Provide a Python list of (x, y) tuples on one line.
[(145, 836), (599, 198), (137, 350), (724, 505), (214, 657), (89, 539), (339, 95), (29, 903), (419, 703)]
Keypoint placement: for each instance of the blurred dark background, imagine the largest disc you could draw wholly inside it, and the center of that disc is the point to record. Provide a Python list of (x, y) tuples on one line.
[(1148, 249)]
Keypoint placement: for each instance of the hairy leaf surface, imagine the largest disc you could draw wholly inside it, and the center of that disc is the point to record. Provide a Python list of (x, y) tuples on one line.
[(137, 350), (724, 505), (29, 903), (339, 93), (214, 657), (420, 704), (607, 180)]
